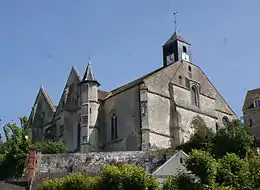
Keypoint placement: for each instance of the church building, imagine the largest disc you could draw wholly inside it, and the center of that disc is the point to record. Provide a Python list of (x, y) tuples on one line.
[(159, 110)]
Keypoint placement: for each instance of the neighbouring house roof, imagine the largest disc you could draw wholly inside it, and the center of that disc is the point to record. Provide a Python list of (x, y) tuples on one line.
[(250, 96), (168, 161)]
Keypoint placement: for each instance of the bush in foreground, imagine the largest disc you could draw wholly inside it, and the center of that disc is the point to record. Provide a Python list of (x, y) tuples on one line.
[(125, 177)]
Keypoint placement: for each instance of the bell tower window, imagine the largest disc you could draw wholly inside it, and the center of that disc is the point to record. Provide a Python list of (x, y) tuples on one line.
[(184, 49)]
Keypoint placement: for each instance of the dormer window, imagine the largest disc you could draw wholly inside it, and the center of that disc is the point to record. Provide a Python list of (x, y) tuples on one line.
[(257, 103)]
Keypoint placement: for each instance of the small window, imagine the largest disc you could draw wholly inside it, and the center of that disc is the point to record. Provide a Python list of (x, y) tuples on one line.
[(90, 110), (250, 122), (257, 103), (184, 49), (194, 96), (217, 127), (189, 68), (61, 130), (180, 79), (181, 160), (113, 126), (225, 121)]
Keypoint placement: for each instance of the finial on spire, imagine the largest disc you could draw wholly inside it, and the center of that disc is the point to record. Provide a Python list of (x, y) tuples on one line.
[(175, 21), (89, 59)]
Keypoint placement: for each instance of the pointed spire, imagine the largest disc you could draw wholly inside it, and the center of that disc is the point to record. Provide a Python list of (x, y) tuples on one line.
[(174, 38), (89, 76)]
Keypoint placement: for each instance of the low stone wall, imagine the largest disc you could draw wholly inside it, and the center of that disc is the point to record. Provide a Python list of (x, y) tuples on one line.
[(92, 162)]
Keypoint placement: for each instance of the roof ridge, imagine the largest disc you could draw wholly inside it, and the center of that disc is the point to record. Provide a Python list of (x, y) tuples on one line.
[(46, 95)]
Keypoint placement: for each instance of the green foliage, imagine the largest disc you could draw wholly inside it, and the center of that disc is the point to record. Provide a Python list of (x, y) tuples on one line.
[(48, 184), (125, 177), (233, 139), (233, 171), (223, 161), (14, 151), (254, 168), (71, 182), (203, 139), (49, 147), (202, 164)]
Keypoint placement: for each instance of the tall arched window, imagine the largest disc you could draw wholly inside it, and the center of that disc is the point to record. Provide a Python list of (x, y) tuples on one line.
[(113, 126), (194, 96)]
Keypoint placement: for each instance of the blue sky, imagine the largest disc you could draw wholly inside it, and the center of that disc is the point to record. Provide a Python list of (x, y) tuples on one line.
[(41, 40)]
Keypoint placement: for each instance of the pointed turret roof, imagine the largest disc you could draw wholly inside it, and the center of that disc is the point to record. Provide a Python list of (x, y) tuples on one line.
[(175, 37), (89, 76)]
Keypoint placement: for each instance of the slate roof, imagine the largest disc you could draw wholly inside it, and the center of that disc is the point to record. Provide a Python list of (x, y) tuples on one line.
[(250, 96), (175, 37), (102, 95)]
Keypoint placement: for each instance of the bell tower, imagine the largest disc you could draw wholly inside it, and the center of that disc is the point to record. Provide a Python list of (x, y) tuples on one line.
[(175, 49)]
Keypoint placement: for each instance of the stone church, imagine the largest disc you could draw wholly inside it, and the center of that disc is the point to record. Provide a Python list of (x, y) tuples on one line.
[(158, 110)]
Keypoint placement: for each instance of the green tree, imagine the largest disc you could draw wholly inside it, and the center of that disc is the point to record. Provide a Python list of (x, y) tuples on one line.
[(14, 151), (203, 165), (202, 139), (233, 171), (49, 147), (233, 139)]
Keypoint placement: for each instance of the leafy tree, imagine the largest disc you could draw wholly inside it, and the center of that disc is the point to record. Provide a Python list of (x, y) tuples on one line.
[(233, 139), (203, 139), (49, 147), (14, 151), (203, 165), (233, 171)]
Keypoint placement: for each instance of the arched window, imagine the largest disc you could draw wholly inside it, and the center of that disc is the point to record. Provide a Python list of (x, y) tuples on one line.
[(113, 126), (225, 121), (257, 103), (194, 96)]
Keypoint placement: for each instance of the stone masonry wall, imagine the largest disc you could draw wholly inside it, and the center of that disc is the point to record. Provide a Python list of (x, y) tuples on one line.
[(91, 163)]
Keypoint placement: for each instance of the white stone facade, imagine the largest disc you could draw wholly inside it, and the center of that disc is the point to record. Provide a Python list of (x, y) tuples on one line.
[(158, 110)]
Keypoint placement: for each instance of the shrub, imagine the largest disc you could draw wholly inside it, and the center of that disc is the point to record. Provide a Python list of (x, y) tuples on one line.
[(71, 182), (49, 147), (126, 177)]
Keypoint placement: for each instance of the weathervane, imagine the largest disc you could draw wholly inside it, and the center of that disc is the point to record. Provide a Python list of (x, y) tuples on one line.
[(175, 22)]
